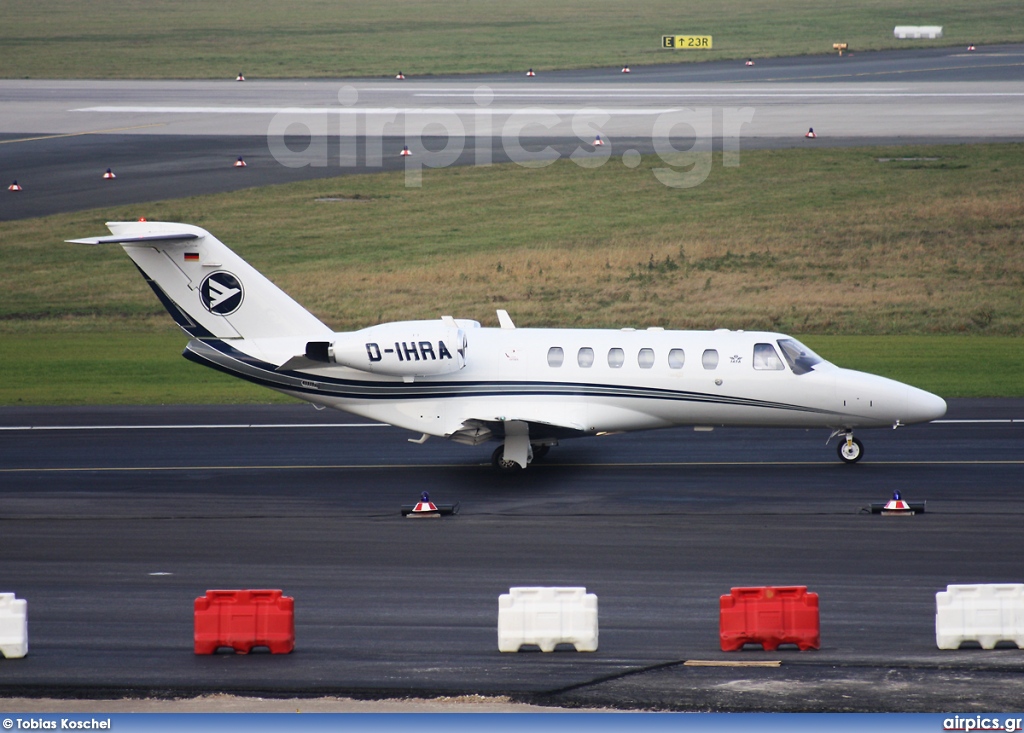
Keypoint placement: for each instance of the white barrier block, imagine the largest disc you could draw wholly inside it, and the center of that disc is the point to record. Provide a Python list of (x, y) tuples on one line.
[(547, 617), (986, 614), (917, 31), (13, 626)]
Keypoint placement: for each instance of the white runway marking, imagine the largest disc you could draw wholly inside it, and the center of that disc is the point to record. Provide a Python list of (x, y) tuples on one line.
[(243, 426), (198, 427), (969, 422), (355, 110), (434, 466), (781, 94)]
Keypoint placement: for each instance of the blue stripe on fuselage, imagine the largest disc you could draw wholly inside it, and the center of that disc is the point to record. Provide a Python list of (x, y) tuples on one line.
[(224, 357)]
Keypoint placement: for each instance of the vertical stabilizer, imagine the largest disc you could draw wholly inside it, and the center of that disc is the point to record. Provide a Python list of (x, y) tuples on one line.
[(209, 290)]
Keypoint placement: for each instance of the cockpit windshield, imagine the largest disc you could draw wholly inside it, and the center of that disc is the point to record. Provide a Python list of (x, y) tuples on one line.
[(800, 359)]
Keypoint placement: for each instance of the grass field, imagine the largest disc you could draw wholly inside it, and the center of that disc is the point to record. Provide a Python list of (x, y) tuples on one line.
[(339, 38), (818, 243), (825, 241)]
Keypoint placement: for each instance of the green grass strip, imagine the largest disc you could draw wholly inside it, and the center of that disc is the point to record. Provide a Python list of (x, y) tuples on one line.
[(921, 259), (348, 38)]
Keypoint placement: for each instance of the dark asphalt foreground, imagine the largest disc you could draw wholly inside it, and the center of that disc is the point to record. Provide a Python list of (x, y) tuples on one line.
[(111, 534)]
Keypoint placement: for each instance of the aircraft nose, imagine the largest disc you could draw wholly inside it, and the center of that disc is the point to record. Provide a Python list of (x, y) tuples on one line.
[(923, 406)]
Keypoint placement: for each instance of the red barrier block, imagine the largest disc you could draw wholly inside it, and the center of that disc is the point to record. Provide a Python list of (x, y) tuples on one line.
[(243, 619), (769, 616)]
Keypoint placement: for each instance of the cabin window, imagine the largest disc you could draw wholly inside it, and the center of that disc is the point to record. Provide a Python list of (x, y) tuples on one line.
[(645, 358), (766, 358), (709, 359), (800, 359), (616, 358), (676, 359), (555, 356), (585, 357)]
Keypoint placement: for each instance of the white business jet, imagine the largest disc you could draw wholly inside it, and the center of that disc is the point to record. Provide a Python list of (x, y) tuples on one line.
[(526, 388)]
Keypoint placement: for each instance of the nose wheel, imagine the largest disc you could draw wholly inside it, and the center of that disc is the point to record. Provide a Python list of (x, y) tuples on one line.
[(851, 450)]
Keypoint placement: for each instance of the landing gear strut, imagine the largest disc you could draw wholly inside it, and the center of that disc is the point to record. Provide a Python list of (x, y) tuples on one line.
[(851, 450), (503, 464), (535, 452)]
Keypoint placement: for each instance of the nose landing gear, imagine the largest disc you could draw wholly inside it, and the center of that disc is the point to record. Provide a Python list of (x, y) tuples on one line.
[(851, 450)]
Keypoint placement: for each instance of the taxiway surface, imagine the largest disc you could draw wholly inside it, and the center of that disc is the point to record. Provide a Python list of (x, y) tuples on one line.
[(171, 139), (115, 519)]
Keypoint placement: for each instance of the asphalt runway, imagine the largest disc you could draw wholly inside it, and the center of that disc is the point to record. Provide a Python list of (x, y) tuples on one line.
[(173, 139), (114, 519)]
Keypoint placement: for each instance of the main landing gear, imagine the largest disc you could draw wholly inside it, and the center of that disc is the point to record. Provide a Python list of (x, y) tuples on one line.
[(851, 450), (504, 465)]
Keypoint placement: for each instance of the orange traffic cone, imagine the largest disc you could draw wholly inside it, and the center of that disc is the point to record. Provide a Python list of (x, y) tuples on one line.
[(598, 141), (399, 75), (239, 163), (530, 73), (405, 151), (14, 187), (109, 175), (240, 77), (625, 69), (750, 62), (810, 133)]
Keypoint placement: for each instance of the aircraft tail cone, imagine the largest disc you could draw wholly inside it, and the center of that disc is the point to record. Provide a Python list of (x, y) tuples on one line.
[(405, 152), (240, 163), (240, 77), (810, 134), (598, 141), (970, 47), (530, 73), (14, 187), (749, 62), (625, 69), (109, 175), (399, 75)]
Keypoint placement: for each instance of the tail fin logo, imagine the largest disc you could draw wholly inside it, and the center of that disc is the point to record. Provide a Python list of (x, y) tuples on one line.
[(221, 293)]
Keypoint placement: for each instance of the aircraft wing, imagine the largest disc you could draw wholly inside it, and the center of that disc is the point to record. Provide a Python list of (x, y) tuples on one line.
[(480, 430)]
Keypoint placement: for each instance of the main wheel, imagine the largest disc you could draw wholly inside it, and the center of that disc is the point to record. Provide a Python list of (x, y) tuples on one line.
[(499, 462), (851, 451)]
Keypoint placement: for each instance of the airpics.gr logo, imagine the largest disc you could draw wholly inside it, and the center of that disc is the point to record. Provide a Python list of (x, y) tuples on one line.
[(221, 293)]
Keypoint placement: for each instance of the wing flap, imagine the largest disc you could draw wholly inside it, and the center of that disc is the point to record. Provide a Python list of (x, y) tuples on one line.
[(475, 431)]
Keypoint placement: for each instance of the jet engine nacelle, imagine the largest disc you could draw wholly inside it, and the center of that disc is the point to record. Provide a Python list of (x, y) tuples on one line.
[(406, 349)]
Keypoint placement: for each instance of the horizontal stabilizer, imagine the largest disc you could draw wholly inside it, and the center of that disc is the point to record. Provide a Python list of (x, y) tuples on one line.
[(128, 240), (299, 362)]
